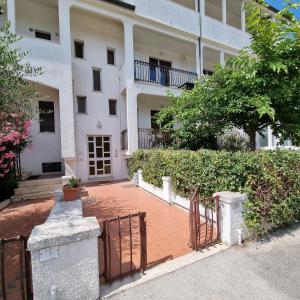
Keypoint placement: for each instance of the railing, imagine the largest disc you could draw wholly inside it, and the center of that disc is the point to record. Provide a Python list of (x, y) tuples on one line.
[(165, 76), (15, 269), (148, 138), (123, 246)]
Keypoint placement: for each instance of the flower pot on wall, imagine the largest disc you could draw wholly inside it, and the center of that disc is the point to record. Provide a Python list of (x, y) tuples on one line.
[(71, 194)]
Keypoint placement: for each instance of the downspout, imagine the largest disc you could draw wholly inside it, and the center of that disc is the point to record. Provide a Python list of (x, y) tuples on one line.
[(199, 39)]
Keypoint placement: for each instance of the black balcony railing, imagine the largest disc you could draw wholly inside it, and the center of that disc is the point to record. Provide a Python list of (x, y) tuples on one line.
[(146, 72), (148, 138)]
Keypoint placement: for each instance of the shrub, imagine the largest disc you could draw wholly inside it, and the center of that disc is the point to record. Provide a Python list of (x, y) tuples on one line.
[(7, 187), (233, 142), (271, 179)]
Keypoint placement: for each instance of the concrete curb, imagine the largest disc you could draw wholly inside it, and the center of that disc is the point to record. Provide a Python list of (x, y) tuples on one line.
[(129, 282), (4, 204)]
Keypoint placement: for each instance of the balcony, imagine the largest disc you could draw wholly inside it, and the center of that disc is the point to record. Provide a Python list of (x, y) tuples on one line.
[(164, 76), (148, 138)]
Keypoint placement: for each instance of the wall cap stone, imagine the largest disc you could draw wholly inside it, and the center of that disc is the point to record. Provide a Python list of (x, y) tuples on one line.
[(51, 234), (231, 197)]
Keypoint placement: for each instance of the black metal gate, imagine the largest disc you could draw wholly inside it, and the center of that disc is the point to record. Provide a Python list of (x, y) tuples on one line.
[(123, 247), (15, 269), (204, 221)]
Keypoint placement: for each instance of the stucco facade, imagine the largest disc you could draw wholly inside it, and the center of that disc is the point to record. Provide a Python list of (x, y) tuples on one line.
[(157, 46)]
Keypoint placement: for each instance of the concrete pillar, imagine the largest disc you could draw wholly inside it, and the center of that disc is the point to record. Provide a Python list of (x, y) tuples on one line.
[(11, 14), (222, 58), (132, 120), (243, 17), (64, 255), (129, 52), (232, 223), (66, 91), (167, 188), (202, 59), (198, 59), (270, 137), (224, 11)]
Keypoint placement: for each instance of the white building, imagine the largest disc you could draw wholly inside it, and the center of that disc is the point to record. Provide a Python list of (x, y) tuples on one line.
[(107, 67)]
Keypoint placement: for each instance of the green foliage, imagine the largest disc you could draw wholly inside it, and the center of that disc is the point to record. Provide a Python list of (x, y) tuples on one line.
[(16, 92), (7, 188), (73, 183), (271, 179), (258, 88), (233, 142)]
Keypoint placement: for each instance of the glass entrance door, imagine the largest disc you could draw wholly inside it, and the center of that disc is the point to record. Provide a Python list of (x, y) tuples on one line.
[(99, 154)]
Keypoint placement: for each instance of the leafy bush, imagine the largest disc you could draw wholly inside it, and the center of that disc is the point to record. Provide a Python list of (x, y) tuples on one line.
[(7, 187), (271, 179), (233, 142)]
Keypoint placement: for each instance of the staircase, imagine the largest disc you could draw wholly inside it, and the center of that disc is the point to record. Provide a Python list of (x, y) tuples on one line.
[(36, 189)]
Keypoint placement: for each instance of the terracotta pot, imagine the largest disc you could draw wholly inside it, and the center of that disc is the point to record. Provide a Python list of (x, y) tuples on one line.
[(71, 194)]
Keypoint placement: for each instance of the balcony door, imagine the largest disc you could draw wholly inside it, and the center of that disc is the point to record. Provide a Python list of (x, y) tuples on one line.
[(160, 71), (99, 156)]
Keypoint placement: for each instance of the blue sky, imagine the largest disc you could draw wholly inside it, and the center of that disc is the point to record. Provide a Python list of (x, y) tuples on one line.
[(279, 4)]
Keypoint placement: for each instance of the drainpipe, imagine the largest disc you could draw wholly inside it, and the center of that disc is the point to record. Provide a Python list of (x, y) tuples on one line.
[(199, 39)]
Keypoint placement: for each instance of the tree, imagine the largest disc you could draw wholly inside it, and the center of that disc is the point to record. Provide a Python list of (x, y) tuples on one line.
[(258, 88), (16, 97)]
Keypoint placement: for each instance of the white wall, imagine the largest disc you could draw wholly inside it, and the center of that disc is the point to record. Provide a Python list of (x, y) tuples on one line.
[(46, 146), (97, 33), (146, 103), (36, 15)]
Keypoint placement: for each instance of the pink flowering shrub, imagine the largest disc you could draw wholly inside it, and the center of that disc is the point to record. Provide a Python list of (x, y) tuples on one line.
[(14, 137)]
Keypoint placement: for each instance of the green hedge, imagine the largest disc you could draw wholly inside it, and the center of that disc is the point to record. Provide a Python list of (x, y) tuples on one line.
[(271, 179)]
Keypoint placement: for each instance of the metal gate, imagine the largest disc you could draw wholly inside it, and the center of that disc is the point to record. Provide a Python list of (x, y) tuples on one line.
[(123, 247), (204, 221), (15, 269)]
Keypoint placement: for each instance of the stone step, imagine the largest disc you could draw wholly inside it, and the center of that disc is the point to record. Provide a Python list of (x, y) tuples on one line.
[(34, 190), (17, 198), (40, 182)]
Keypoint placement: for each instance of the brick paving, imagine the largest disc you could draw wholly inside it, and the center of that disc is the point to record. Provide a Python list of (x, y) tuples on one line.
[(167, 226)]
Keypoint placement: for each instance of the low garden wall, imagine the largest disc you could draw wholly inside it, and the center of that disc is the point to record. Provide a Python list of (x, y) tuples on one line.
[(270, 178)]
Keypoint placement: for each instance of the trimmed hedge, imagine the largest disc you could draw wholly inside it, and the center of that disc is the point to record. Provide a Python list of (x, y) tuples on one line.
[(271, 179)]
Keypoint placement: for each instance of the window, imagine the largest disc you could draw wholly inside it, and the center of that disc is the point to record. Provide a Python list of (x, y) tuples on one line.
[(43, 35), (51, 167), (81, 104), (111, 56), (46, 109), (79, 49), (207, 72), (112, 107), (97, 79)]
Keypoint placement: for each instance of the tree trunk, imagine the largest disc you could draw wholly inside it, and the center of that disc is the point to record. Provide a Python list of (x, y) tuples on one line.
[(252, 137)]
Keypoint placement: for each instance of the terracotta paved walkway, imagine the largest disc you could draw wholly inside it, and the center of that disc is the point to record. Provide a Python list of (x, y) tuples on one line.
[(167, 226)]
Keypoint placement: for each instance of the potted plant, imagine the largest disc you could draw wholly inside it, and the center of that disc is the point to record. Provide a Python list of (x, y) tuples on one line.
[(72, 189)]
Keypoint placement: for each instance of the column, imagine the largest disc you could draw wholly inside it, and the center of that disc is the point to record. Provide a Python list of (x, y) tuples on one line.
[(64, 255), (243, 17), (129, 52), (67, 123), (224, 11), (222, 58), (132, 119), (270, 137), (198, 59), (11, 14), (232, 222)]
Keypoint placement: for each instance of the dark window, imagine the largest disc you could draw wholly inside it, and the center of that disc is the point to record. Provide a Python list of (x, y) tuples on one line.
[(43, 35), (81, 103), (79, 48), (46, 109), (154, 125), (97, 79), (110, 56), (112, 107), (51, 167)]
